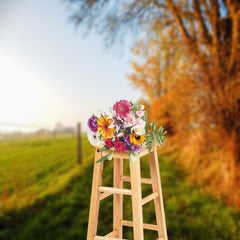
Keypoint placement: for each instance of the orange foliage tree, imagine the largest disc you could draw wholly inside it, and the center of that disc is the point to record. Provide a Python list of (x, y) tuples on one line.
[(189, 75), (194, 89)]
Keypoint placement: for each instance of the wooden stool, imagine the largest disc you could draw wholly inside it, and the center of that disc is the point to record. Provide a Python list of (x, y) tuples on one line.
[(100, 192)]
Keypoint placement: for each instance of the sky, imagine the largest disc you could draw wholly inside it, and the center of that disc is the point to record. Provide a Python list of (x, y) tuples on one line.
[(50, 72)]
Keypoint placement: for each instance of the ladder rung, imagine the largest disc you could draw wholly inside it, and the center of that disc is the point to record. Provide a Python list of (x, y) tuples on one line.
[(115, 190), (145, 225), (112, 234), (149, 198), (107, 238), (143, 180), (104, 195)]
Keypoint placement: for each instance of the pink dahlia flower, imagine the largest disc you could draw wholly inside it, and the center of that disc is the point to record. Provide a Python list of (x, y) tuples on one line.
[(140, 113), (141, 122), (122, 108), (130, 120)]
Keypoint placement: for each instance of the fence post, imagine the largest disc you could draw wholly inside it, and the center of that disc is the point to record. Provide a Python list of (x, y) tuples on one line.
[(79, 145)]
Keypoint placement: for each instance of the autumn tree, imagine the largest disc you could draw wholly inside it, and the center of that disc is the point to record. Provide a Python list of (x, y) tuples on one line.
[(190, 73)]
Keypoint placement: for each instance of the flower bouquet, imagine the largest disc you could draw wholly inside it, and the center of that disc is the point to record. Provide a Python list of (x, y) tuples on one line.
[(126, 129)]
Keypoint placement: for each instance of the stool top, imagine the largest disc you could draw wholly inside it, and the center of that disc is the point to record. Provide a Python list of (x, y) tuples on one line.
[(125, 155)]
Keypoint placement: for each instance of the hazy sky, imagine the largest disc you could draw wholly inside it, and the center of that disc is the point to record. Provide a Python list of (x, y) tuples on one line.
[(49, 72)]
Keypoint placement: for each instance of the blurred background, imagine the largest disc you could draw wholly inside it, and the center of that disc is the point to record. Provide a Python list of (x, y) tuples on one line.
[(62, 60)]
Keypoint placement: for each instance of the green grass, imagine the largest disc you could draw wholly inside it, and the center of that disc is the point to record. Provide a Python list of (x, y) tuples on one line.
[(48, 196), (35, 167)]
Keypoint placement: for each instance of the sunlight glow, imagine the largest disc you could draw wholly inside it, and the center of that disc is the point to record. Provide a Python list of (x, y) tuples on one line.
[(23, 97)]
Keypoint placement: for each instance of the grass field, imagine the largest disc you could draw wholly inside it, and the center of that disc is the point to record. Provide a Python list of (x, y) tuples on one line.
[(44, 194), (35, 167)]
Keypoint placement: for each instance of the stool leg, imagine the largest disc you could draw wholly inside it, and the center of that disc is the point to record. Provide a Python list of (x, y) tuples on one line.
[(117, 198), (135, 173), (158, 202), (95, 200)]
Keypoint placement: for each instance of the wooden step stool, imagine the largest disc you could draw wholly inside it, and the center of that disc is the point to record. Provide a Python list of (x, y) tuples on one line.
[(100, 192)]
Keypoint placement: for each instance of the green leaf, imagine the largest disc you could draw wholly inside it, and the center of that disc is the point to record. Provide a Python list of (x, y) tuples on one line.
[(157, 141), (161, 130), (109, 156), (152, 123), (146, 127), (103, 158), (164, 132), (155, 127), (104, 148), (132, 156), (145, 118), (149, 147)]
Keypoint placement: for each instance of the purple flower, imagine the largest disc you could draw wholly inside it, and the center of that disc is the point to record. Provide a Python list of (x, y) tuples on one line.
[(136, 148), (127, 140), (126, 148), (92, 124)]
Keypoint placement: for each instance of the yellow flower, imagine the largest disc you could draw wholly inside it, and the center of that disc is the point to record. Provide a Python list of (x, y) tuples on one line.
[(137, 139), (103, 127)]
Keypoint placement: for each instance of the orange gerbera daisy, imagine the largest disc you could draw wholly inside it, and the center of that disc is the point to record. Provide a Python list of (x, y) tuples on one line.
[(104, 122)]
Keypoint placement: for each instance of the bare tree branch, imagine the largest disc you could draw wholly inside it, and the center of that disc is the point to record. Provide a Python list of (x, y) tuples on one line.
[(215, 29), (159, 5), (203, 31), (234, 9), (186, 36)]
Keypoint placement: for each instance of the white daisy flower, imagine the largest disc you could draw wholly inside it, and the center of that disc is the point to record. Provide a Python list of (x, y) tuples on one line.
[(138, 129), (94, 138)]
